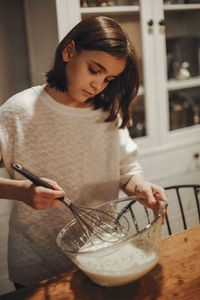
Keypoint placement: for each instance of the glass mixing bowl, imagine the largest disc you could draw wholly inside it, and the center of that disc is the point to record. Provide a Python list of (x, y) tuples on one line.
[(129, 258)]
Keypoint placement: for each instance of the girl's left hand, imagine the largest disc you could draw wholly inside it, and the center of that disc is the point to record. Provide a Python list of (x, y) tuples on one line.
[(151, 195)]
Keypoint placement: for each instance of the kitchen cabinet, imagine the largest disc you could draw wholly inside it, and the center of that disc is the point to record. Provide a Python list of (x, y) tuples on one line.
[(166, 115)]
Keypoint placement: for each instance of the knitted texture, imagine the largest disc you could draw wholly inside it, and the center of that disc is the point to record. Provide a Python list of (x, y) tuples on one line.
[(89, 158)]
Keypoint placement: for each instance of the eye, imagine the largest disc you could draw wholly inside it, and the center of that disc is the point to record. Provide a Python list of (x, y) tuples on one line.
[(92, 71)]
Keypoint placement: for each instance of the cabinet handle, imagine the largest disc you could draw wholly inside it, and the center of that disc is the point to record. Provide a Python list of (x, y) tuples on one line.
[(161, 22), (150, 23)]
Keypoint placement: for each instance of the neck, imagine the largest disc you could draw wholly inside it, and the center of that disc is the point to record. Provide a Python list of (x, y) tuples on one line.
[(64, 98)]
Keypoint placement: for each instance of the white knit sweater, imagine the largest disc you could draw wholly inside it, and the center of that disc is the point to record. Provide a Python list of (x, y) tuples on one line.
[(87, 157)]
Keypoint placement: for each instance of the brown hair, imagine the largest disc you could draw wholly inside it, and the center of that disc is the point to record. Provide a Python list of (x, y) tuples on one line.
[(103, 34)]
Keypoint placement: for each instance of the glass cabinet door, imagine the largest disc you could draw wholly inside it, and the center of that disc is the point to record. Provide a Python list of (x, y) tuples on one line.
[(182, 24), (127, 13)]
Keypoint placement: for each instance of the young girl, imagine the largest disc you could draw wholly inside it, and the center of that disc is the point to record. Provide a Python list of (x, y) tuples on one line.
[(73, 131)]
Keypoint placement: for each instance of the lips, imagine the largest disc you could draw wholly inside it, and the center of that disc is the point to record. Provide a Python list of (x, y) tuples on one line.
[(87, 93)]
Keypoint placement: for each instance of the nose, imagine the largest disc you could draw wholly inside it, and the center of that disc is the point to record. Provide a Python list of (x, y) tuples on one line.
[(97, 85)]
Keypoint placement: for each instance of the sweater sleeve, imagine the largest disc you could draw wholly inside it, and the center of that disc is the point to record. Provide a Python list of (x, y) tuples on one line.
[(129, 165)]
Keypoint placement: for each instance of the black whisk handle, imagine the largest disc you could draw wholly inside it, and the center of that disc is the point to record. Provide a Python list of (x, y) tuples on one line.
[(32, 177), (35, 179)]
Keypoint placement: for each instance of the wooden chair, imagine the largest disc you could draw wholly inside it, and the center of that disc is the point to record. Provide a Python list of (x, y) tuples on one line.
[(182, 199)]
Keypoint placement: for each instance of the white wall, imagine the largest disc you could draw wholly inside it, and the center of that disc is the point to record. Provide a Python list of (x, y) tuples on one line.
[(14, 65), (42, 37)]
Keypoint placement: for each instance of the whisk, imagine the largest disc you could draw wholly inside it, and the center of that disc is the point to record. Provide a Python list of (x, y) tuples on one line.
[(94, 222)]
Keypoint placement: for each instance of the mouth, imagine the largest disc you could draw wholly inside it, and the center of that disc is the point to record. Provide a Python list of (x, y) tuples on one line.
[(87, 93)]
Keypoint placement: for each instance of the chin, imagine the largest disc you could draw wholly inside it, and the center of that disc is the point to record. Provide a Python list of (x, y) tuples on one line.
[(78, 97), (82, 100)]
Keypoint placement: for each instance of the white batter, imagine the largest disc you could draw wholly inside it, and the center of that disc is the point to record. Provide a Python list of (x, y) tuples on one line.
[(121, 266)]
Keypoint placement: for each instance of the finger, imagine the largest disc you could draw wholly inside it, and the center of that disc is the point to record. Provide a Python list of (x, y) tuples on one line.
[(46, 203), (150, 198), (48, 193), (53, 183), (163, 215), (147, 195), (156, 208), (144, 202), (159, 205), (159, 192), (164, 202)]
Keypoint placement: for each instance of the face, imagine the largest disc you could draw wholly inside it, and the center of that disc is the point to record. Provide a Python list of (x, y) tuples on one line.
[(89, 72)]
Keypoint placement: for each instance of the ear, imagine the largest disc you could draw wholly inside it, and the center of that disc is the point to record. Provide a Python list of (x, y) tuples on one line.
[(68, 51)]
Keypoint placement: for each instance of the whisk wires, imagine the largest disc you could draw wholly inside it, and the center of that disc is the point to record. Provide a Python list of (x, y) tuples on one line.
[(97, 223)]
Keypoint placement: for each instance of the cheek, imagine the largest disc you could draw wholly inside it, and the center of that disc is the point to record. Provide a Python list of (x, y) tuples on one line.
[(75, 75), (72, 80)]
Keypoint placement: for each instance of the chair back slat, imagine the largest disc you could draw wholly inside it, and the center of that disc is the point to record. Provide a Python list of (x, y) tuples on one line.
[(195, 188), (168, 225), (196, 192), (181, 208)]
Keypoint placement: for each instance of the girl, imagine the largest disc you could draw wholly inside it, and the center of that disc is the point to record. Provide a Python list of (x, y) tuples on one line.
[(73, 131)]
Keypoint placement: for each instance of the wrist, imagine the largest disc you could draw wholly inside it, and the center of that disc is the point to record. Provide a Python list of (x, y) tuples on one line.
[(130, 187), (13, 189)]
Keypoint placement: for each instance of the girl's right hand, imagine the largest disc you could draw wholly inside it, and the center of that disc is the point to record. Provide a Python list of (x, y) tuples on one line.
[(39, 197)]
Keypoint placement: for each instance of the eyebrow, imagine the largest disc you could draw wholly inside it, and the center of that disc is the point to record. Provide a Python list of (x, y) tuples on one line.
[(98, 65), (101, 67)]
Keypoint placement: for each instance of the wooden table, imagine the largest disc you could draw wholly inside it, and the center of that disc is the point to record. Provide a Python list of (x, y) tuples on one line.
[(176, 276)]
